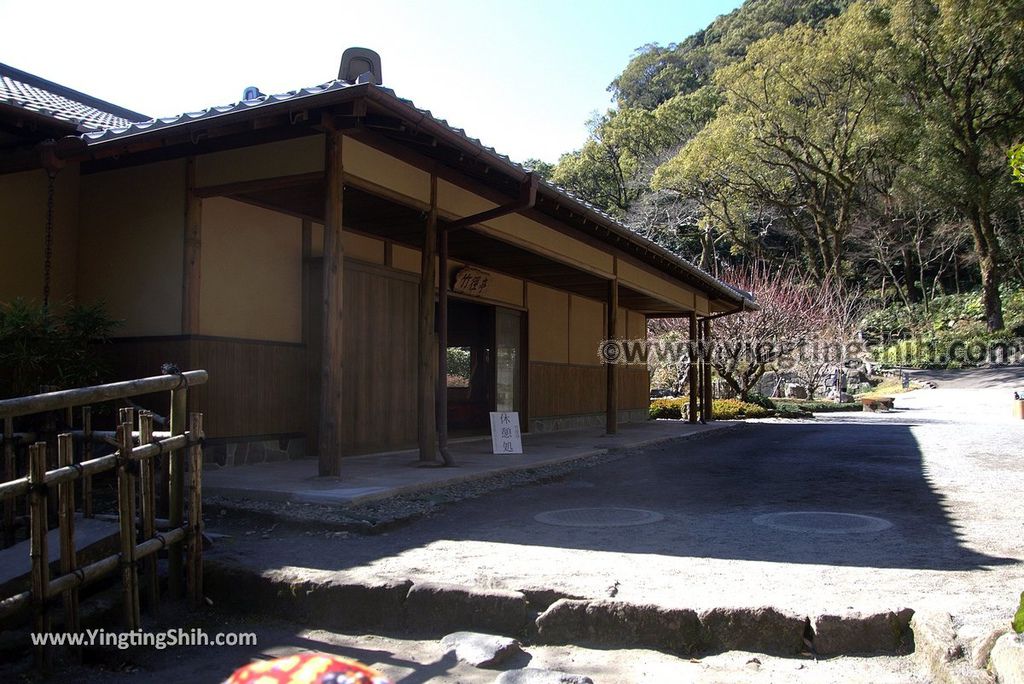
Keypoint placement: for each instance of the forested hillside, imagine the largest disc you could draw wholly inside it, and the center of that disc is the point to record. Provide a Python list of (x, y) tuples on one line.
[(866, 143)]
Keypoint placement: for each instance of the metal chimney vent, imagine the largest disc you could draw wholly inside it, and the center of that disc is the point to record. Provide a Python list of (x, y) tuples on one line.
[(360, 65)]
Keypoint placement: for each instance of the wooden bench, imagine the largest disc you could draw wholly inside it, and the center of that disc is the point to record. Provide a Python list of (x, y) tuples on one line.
[(875, 404)]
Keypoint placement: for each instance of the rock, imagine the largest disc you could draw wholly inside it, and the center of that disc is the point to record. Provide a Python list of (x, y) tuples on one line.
[(322, 604), (1007, 658), (613, 623), (761, 630), (862, 633), (440, 608), (796, 391), (533, 675), (940, 653), (481, 650), (982, 643)]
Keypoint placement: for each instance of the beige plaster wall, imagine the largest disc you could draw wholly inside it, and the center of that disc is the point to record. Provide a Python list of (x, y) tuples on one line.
[(131, 235), (251, 272)]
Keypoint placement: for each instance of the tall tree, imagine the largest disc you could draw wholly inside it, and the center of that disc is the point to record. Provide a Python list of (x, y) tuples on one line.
[(800, 132), (958, 63)]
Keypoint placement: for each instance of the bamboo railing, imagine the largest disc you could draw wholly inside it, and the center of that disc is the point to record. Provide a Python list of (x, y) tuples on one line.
[(135, 465)]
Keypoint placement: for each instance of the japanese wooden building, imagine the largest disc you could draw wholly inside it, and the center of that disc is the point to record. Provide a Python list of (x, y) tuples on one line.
[(303, 248)]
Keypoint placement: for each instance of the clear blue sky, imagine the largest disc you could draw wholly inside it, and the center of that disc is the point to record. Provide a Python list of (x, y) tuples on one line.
[(524, 77)]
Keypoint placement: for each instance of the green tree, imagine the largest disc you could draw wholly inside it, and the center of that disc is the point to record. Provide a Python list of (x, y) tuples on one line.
[(797, 140), (958, 65)]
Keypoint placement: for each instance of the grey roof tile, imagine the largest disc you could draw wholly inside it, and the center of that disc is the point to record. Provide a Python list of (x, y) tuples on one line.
[(29, 92)]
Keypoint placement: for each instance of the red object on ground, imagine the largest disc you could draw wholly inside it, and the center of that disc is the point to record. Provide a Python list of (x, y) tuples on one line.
[(307, 668)]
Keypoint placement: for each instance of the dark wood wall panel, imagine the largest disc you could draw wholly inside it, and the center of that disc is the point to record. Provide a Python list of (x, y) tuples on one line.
[(560, 389), (380, 359), (255, 388)]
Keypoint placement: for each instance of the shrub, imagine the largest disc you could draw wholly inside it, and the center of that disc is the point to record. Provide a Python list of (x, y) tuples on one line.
[(732, 409), (671, 409), (42, 346)]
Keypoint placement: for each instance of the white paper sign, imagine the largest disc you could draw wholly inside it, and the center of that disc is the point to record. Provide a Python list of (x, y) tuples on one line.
[(505, 435)]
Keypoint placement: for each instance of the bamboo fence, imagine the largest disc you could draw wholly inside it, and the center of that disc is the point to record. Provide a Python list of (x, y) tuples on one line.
[(135, 461)]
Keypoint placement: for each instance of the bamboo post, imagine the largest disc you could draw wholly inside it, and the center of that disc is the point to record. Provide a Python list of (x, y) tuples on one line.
[(66, 508), (195, 512), (176, 483), (87, 453), (40, 573), (8, 476), (147, 498), (126, 514)]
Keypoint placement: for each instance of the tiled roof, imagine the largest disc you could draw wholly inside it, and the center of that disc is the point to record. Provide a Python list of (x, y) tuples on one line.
[(128, 129), (31, 93)]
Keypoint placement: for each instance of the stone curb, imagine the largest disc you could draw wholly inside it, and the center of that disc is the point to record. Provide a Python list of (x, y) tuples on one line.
[(939, 651), (433, 610)]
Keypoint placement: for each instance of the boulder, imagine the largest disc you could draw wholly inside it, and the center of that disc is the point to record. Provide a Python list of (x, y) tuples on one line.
[(1007, 658), (533, 675), (481, 650)]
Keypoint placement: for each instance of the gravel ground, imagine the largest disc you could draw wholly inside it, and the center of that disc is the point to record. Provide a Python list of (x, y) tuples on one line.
[(944, 469)]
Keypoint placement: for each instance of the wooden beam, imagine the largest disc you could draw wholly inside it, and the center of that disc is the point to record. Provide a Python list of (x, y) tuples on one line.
[(612, 394), (441, 398), (425, 382), (331, 364), (259, 185), (193, 247)]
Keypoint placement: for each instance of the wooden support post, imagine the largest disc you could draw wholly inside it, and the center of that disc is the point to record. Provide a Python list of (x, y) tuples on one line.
[(709, 404), (611, 369), (441, 395), (426, 384), (191, 267), (331, 414), (176, 485), (66, 519), (313, 357), (40, 571), (126, 519), (8, 474), (147, 498), (691, 373), (87, 454), (195, 512)]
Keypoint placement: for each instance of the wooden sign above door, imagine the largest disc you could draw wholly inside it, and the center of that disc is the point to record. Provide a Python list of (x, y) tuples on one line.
[(470, 281)]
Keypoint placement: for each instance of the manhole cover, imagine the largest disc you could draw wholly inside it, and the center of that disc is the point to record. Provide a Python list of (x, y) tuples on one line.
[(823, 522), (598, 517)]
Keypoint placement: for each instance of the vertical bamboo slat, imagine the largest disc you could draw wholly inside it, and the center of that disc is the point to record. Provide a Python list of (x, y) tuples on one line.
[(195, 512), (40, 573), (8, 476), (87, 454), (126, 513), (147, 498), (66, 513), (176, 485)]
